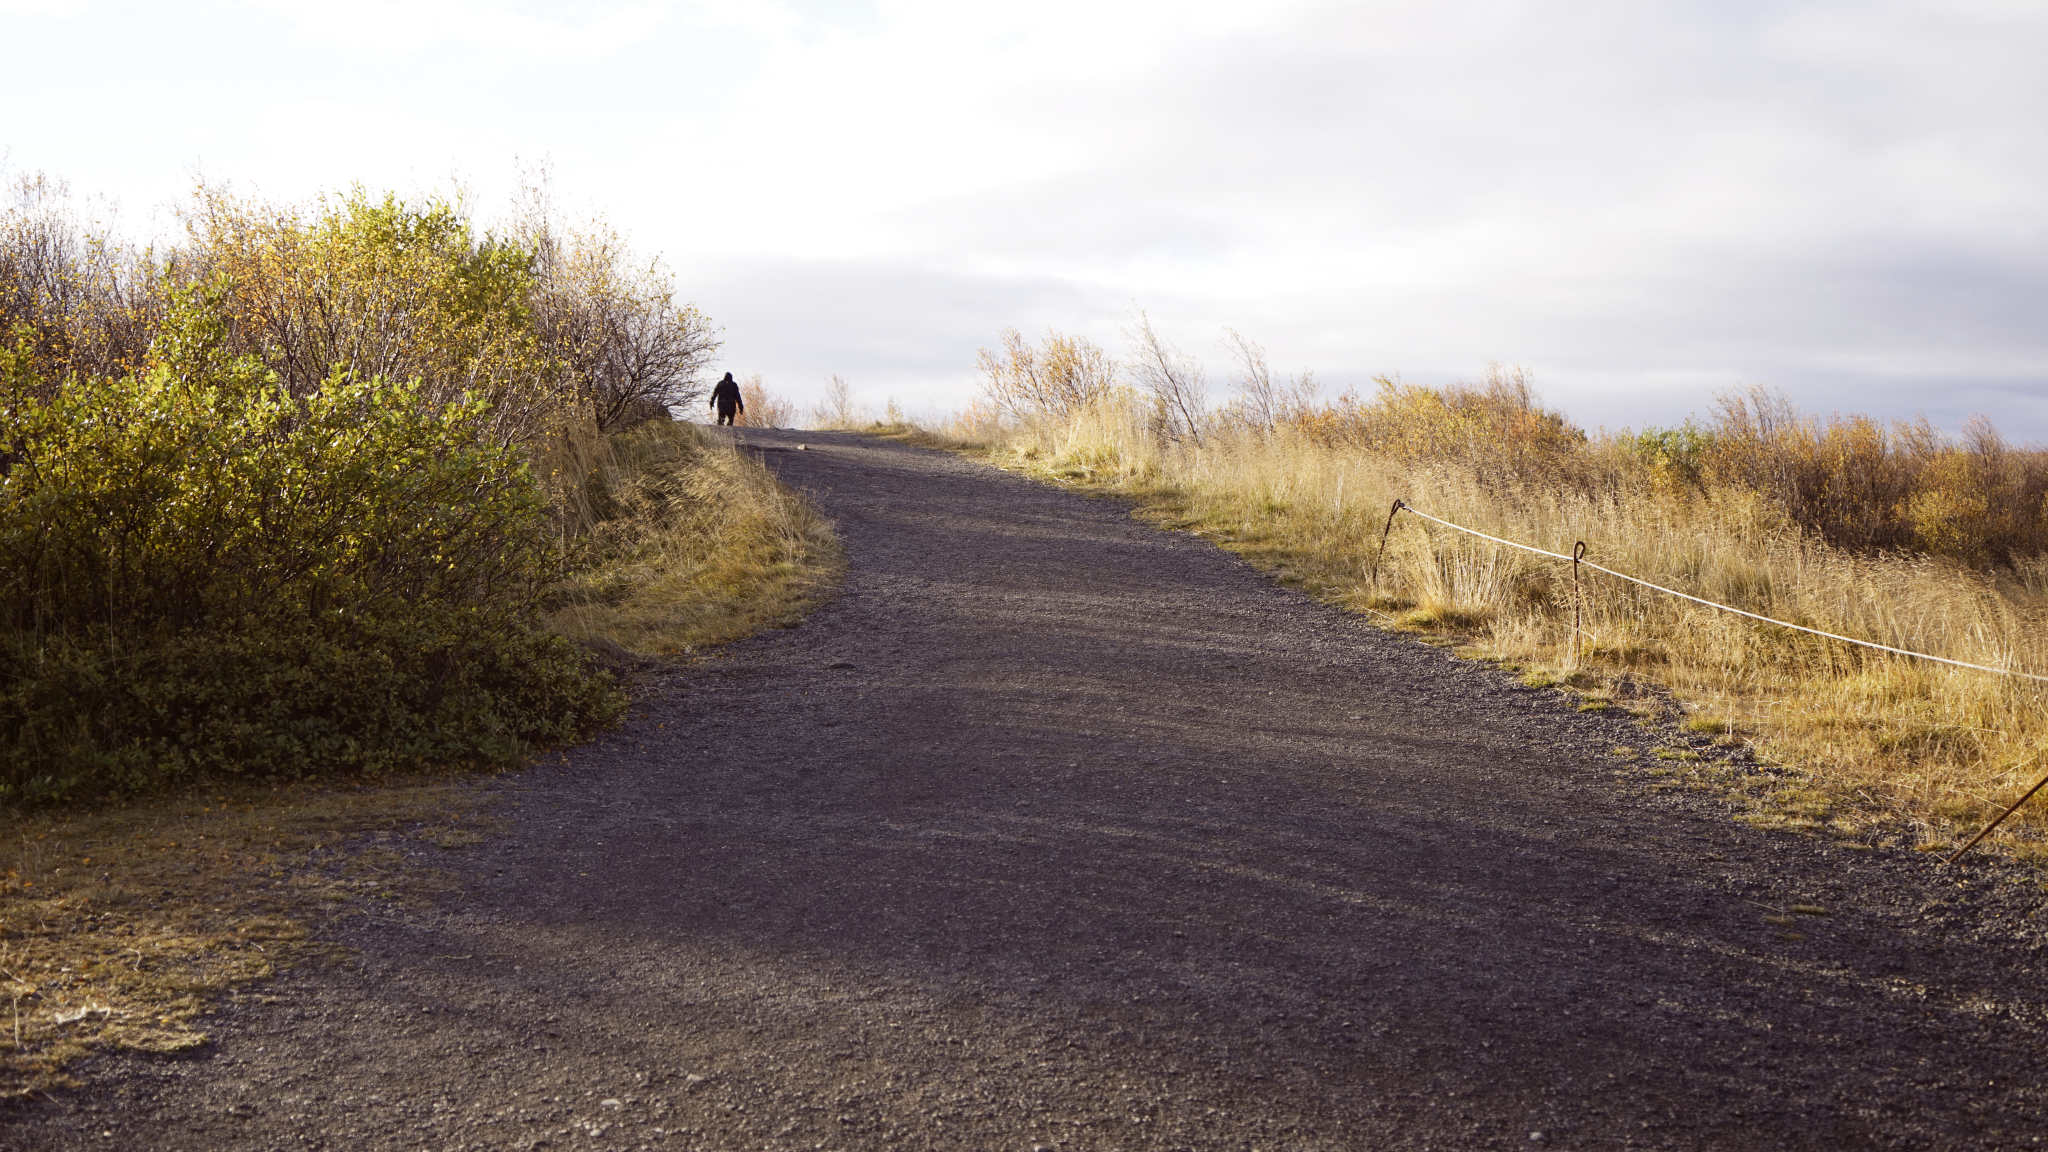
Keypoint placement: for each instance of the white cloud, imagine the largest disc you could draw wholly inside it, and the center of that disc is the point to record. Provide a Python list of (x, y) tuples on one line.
[(1846, 201), (508, 31), (1640, 201)]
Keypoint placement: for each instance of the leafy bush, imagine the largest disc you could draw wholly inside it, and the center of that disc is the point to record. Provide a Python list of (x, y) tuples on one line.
[(268, 506), (91, 301), (380, 288), (201, 572), (549, 324), (626, 347)]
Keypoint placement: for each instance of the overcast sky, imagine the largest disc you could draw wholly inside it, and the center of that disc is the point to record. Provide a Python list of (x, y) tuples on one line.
[(1643, 202)]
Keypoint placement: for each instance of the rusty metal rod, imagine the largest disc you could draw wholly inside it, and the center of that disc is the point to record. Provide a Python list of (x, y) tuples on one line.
[(1995, 823), (1384, 533), (1578, 614)]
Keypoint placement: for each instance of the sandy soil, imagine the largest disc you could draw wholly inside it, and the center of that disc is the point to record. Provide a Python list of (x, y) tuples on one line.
[(1056, 831)]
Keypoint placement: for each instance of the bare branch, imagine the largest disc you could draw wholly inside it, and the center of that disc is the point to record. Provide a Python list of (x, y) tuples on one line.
[(1176, 381)]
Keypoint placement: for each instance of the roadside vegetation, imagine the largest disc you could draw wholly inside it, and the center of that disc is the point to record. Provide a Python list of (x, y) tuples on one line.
[(765, 409), (1896, 534), (684, 543), (305, 520)]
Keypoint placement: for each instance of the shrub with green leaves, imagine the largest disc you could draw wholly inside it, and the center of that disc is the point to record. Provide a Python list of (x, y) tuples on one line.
[(201, 573)]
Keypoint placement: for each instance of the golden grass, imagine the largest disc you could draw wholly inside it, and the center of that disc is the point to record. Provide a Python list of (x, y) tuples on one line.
[(697, 544), (119, 925), (1885, 749)]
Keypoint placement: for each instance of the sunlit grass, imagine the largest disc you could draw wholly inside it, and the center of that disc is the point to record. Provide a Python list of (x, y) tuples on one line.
[(695, 543), (1888, 749)]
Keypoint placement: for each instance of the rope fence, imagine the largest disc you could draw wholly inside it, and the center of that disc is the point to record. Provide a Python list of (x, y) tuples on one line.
[(1578, 560)]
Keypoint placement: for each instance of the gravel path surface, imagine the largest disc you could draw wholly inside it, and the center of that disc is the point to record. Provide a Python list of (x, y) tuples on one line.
[(1056, 831)]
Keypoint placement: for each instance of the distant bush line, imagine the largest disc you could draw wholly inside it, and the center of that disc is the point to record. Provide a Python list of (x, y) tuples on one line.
[(1851, 481)]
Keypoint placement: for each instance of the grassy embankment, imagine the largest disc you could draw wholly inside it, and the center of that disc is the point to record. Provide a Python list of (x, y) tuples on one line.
[(302, 524), (691, 543), (1897, 535)]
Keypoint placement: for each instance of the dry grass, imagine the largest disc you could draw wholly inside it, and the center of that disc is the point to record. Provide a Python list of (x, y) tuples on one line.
[(1884, 749), (119, 925), (696, 544)]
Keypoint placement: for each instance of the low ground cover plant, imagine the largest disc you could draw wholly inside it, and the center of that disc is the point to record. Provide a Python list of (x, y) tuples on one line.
[(123, 924)]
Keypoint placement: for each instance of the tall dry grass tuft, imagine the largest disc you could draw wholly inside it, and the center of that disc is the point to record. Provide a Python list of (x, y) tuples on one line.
[(1887, 748), (683, 541)]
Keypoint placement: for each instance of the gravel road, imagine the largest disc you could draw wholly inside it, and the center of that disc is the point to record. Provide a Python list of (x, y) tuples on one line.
[(1056, 831)]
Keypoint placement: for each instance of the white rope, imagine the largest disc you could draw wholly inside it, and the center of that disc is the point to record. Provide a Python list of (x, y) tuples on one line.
[(1484, 536), (1726, 608)]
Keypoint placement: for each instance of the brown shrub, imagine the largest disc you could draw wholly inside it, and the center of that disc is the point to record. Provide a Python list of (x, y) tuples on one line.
[(1052, 381), (1497, 427), (760, 408), (1860, 485)]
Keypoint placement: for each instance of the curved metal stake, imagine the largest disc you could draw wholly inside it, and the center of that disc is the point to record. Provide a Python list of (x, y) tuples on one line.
[(1995, 823), (1384, 533), (1578, 614)]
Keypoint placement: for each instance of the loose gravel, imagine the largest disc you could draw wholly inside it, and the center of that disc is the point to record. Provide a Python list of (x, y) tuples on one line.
[(1055, 831)]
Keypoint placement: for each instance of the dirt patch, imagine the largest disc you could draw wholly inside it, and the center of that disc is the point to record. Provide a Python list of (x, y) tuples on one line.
[(1057, 831), (119, 925)]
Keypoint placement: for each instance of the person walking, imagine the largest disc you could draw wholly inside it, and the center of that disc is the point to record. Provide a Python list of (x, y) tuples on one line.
[(725, 396)]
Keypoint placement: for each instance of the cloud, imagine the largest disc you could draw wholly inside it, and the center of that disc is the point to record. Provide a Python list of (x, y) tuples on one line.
[(520, 32), (1842, 199), (797, 321), (1642, 202)]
